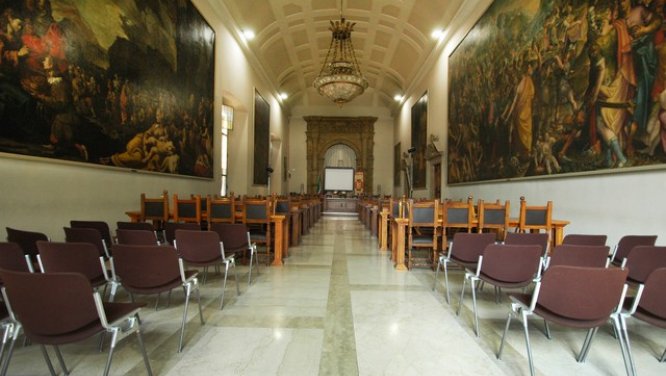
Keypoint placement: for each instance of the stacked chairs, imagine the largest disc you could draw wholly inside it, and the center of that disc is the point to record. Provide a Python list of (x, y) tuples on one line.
[(576, 297), (463, 251), (60, 308), (203, 249), (153, 269), (236, 240)]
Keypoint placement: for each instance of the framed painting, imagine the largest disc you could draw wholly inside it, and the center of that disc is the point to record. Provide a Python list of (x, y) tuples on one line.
[(397, 165), (419, 139), (543, 88), (108, 88), (262, 117)]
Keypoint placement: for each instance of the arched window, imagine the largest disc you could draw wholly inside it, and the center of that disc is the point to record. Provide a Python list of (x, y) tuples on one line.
[(340, 155)]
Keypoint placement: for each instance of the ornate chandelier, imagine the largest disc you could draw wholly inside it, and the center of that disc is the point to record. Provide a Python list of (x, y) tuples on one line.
[(340, 77)]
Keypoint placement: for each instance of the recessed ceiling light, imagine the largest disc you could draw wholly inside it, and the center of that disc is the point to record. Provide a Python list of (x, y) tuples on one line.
[(437, 33), (397, 97), (248, 34), (283, 96)]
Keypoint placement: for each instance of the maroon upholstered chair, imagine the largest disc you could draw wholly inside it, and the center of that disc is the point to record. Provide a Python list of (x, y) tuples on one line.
[(503, 266), (81, 258), (627, 243), (236, 240), (584, 239), (642, 261), (60, 308), (464, 251), (171, 227), (203, 249), (136, 237), (100, 226), (648, 306), (87, 235), (26, 240), (579, 255), (575, 297), (528, 238), (153, 269)]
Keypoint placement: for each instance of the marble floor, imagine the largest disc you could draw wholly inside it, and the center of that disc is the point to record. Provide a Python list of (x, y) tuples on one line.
[(339, 308)]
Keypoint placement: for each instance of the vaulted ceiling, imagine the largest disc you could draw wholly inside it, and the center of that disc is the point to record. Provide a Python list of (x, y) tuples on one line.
[(392, 39)]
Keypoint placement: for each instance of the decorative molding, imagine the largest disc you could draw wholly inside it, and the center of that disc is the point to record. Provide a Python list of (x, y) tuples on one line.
[(323, 132)]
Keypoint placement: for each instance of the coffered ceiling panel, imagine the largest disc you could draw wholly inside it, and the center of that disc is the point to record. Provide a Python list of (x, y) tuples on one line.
[(392, 40)]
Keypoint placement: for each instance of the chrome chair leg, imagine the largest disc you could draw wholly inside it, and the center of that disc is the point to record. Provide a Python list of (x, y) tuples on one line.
[(187, 288), (476, 316), (61, 360), (527, 342), (233, 263), (48, 360), (446, 282), (506, 329), (143, 350), (224, 283)]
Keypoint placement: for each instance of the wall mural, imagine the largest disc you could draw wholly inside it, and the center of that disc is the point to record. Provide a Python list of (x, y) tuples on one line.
[(130, 86), (262, 126), (419, 139), (552, 87)]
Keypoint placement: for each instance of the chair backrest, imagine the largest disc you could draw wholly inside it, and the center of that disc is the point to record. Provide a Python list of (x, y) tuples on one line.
[(221, 210), (198, 246), (283, 205), (170, 229), (12, 257), (511, 263), (135, 226), (493, 215), (528, 238), (423, 213), (101, 226), (458, 214), (581, 293), (187, 210), (25, 239), (643, 260), (136, 237), (628, 242), (145, 267), (70, 257), (652, 300), (398, 207), (86, 235), (580, 255), (469, 246), (257, 211), (535, 217), (234, 236), (584, 239), (51, 304), (155, 209)]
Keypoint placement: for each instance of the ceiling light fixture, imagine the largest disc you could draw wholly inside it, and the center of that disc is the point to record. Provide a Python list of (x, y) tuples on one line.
[(340, 78), (397, 97), (283, 96), (437, 33), (248, 34)]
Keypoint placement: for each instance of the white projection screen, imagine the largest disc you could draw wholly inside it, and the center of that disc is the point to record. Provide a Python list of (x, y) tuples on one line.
[(338, 179)]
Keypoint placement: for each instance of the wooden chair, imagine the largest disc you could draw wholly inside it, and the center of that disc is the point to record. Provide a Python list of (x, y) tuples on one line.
[(187, 210), (457, 215), (257, 216), (422, 229), (221, 210), (155, 210), (535, 218), (494, 216)]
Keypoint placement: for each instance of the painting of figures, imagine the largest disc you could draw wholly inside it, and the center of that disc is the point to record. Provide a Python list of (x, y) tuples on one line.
[(555, 87), (130, 86)]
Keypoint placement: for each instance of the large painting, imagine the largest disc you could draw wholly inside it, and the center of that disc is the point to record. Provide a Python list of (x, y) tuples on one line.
[(556, 87), (262, 117), (119, 83), (419, 139)]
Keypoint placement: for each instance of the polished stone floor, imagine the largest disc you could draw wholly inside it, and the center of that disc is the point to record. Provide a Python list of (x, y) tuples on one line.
[(339, 308)]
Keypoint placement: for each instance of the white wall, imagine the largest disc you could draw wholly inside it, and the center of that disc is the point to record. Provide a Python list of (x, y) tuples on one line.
[(382, 150), (613, 204), (42, 195)]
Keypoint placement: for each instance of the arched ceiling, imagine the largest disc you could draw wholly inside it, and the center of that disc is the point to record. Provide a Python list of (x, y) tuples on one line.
[(392, 40)]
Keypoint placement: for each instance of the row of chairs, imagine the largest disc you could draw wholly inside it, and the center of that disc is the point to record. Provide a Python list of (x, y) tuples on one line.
[(577, 288)]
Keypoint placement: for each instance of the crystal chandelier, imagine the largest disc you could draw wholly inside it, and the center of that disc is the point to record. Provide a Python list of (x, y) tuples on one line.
[(340, 77)]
